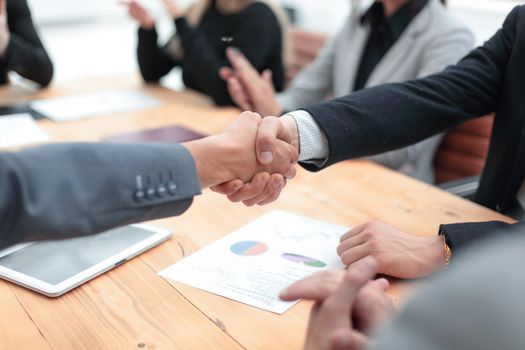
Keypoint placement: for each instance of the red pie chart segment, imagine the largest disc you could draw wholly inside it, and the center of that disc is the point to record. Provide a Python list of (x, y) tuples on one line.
[(249, 248)]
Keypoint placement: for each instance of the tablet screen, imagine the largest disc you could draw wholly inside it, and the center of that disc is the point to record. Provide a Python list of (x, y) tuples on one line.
[(55, 261)]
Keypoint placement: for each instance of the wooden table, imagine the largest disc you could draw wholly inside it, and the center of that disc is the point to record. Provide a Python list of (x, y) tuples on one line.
[(131, 307)]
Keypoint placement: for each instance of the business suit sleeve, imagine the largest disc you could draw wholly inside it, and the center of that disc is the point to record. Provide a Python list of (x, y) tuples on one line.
[(392, 116), (313, 83), (67, 190), (481, 296), (459, 236), (25, 53)]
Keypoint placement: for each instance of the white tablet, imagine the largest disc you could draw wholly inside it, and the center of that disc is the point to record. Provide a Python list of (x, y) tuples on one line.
[(55, 267)]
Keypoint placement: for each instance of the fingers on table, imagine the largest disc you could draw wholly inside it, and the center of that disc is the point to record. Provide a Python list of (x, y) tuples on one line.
[(315, 287)]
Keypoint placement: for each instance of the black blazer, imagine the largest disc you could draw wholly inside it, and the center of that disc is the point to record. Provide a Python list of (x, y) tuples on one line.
[(25, 53), (255, 31), (490, 78)]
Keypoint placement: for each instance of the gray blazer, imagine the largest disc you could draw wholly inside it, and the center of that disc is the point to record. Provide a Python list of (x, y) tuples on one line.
[(432, 41), (477, 304), (66, 190)]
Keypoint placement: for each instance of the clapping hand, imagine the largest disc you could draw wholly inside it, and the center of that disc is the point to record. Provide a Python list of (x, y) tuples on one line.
[(250, 90), (139, 14)]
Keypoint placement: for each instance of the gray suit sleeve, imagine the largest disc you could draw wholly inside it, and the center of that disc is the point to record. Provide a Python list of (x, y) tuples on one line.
[(66, 190), (313, 83), (477, 304), (447, 47)]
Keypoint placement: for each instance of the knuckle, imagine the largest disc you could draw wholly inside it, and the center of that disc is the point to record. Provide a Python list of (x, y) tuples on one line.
[(265, 138), (354, 277), (346, 258), (369, 234), (374, 245)]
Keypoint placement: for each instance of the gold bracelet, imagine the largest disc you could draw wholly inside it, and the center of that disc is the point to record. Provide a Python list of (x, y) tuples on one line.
[(448, 252)]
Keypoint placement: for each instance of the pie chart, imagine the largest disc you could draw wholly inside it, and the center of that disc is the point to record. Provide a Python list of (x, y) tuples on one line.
[(249, 248), (300, 259)]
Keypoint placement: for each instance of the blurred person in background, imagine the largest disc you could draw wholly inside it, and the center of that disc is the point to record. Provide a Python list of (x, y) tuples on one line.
[(392, 41), (203, 33), (21, 50)]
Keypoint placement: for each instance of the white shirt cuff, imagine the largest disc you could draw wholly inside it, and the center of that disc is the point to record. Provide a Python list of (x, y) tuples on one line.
[(313, 143)]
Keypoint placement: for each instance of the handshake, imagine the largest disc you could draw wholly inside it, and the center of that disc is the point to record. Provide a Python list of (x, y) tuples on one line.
[(251, 160)]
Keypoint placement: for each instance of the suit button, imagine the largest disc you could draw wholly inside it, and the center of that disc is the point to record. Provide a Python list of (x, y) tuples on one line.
[(139, 196), (161, 191), (150, 192), (172, 187)]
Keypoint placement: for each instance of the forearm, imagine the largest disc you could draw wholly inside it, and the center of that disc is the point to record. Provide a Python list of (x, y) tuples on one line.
[(30, 61), (153, 62), (67, 190), (25, 54), (210, 155)]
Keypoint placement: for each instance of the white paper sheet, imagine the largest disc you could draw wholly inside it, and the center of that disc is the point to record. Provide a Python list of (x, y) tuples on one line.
[(69, 108), (254, 263), (20, 129)]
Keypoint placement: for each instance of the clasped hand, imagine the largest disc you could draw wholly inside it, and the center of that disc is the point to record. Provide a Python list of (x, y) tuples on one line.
[(259, 152), (273, 135)]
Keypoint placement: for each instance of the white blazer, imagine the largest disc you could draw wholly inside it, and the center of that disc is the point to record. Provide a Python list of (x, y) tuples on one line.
[(432, 41)]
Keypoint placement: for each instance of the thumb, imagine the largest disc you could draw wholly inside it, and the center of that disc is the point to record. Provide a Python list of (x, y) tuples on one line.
[(267, 76)]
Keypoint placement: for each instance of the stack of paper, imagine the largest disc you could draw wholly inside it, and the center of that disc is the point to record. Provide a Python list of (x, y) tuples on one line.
[(70, 108), (253, 264), (18, 130)]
